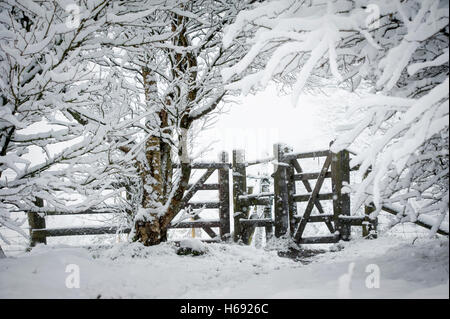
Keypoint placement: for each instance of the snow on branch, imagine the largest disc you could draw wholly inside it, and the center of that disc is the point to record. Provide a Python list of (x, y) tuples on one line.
[(400, 51)]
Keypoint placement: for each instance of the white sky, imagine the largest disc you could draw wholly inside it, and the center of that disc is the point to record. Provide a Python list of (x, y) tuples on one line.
[(258, 122), (266, 118)]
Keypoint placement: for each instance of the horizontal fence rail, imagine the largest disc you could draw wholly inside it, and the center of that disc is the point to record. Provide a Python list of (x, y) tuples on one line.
[(39, 232), (76, 231), (291, 156), (306, 197), (205, 165)]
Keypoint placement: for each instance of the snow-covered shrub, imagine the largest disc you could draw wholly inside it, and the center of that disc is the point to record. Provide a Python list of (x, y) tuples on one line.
[(194, 247)]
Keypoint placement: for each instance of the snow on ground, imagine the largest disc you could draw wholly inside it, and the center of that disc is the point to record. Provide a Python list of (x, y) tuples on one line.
[(406, 269)]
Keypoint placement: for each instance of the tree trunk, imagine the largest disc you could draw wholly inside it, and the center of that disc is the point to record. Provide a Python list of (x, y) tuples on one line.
[(157, 171), (147, 225), (153, 231)]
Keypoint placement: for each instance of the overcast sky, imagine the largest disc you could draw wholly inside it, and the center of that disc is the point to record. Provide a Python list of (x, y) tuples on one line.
[(263, 119)]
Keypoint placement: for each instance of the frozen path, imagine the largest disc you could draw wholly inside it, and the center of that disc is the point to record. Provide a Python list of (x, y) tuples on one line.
[(230, 271)]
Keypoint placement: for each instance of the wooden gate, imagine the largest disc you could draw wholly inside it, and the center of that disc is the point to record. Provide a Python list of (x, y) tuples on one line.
[(286, 220)]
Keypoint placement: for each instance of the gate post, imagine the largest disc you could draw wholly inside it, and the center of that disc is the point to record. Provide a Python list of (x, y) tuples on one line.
[(292, 190), (281, 192), (35, 221), (224, 197), (340, 174), (239, 189), (369, 228)]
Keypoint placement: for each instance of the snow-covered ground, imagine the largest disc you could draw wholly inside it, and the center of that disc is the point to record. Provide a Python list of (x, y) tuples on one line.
[(406, 269)]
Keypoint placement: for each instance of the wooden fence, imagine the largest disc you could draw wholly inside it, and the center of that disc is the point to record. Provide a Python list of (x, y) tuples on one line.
[(39, 232), (286, 221), (281, 217)]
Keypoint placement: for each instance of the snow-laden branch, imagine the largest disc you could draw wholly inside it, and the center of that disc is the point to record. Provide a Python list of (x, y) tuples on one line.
[(399, 50)]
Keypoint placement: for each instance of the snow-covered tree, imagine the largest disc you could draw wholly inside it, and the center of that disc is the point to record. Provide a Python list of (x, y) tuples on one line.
[(175, 57), (397, 48), (59, 109), (116, 88)]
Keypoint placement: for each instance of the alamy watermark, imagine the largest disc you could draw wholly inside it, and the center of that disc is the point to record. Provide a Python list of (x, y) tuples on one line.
[(371, 281), (73, 279)]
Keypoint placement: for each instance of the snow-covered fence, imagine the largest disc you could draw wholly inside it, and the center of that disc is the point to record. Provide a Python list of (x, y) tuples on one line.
[(286, 221), (39, 232), (283, 221)]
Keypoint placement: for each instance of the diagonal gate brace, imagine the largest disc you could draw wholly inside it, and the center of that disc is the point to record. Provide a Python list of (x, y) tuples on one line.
[(301, 227), (191, 192), (308, 188)]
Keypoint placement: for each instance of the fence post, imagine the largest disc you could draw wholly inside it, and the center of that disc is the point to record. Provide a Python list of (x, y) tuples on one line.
[(340, 173), (369, 228), (249, 230), (265, 188), (281, 192), (224, 197), (258, 233), (35, 221), (239, 189), (290, 171)]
